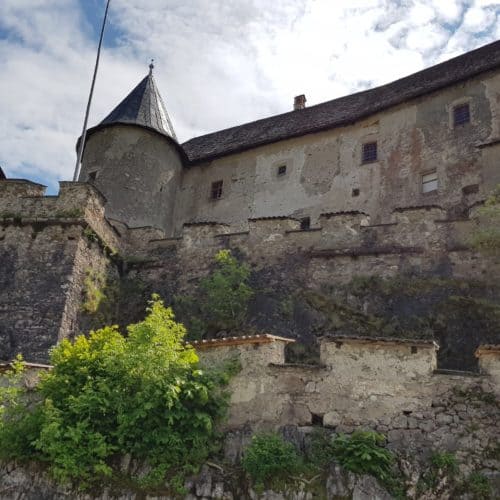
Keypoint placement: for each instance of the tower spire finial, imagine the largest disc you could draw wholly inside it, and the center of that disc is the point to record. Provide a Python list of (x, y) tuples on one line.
[(151, 66)]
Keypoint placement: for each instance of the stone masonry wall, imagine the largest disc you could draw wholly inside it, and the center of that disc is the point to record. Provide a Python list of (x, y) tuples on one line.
[(418, 240), (48, 246), (386, 385)]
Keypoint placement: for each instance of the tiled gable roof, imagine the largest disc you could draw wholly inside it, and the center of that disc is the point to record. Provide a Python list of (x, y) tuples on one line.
[(344, 110)]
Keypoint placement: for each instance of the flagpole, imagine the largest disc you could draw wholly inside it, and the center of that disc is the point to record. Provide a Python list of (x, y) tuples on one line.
[(84, 131)]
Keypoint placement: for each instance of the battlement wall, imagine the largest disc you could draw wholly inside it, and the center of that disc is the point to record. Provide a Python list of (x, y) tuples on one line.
[(50, 246), (415, 238), (23, 202), (418, 240), (389, 385)]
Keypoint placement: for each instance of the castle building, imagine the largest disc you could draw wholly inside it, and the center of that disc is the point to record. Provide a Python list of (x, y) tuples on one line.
[(385, 183), (426, 139)]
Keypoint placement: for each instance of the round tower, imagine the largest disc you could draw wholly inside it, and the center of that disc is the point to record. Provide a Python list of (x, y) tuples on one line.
[(134, 159)]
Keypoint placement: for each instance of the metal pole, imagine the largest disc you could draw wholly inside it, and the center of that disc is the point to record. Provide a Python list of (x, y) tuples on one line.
[(84, 131)]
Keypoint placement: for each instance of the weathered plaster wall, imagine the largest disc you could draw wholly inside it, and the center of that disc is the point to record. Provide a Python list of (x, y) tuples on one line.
[(323, 169), (390, 386), (48, 245), (386, 385), (139, 173)]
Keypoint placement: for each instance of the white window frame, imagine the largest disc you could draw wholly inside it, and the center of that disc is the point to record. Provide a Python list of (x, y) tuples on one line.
[(430, 182)]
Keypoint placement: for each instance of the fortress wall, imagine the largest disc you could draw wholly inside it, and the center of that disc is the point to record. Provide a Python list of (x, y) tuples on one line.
[(12, 189), (37, 265), (389, 386), (48, 247), (76, 202), (419, 240)]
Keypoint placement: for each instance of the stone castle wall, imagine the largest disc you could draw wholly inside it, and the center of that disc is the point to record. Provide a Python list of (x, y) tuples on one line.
[(48, 248), (50, 243), (386, 385), (418, 240)]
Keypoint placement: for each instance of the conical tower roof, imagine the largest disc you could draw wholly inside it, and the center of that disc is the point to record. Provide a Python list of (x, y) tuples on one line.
[(144, 107)]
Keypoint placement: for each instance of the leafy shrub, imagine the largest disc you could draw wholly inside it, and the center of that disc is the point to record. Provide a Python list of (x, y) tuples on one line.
[(478, 485), (222, 298), (108, 395), (363, 453), (270, 457), (445, 461), (321, 449), (442, 464)]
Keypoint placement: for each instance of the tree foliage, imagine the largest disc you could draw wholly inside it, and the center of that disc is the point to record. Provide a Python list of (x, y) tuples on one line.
[(221, 301), (108, 395)]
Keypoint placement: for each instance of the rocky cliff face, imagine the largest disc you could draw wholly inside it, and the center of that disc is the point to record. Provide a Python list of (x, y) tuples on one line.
[(31, 483)]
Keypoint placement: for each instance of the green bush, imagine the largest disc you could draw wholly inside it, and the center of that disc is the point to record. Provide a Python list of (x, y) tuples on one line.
[(222, 298), (111, 395), (269, 457), (321, 449), (363, 453), (442, 464), (445, 461), (478, 485)]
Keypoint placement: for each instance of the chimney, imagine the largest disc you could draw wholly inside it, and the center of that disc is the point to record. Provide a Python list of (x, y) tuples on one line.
[(299, 102)]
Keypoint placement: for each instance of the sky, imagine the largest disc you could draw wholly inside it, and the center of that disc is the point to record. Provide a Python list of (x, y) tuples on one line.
[(218, 63)]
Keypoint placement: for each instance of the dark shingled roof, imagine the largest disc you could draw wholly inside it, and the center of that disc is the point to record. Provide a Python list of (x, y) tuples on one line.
[(345, 110), (143, 106)]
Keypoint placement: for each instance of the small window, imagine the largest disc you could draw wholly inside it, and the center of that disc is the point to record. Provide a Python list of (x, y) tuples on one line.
[(369, 152), (429, 182), (305, 223), (461, 115), (92, 176), (355, 192), (216, 192), (281, 170), (471, 189)]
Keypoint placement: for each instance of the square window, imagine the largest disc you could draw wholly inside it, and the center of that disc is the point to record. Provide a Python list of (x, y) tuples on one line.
[(305, 223), (281, 170), (355, 192), (471, 189), (369, 152), (461, 115), (429, 182), (216, 192)]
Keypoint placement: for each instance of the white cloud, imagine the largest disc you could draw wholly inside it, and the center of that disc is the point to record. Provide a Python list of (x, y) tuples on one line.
[(218, 62)]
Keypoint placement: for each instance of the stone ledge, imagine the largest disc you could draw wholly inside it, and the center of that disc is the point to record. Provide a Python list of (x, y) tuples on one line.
[(360, 252), (36, 366), (459, 373), (487, 349), (310, 230), (299, 366), (245, 339), (240, 233), (342, 339), (382, 224)]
